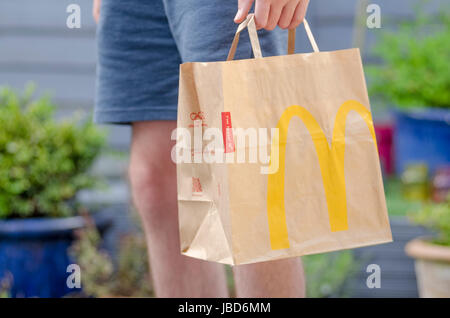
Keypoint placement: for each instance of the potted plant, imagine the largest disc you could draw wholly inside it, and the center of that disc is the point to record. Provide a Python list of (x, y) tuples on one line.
[(432, 255), (414, 76), (129, 276), (44, 163)]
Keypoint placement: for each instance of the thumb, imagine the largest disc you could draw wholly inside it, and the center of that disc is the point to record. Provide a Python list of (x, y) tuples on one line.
[(243, 8)]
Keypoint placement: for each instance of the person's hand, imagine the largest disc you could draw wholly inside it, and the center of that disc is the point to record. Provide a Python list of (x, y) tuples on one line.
[(96, 9), (287, 14)]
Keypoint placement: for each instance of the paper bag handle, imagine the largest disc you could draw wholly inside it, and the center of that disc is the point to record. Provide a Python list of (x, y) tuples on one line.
[(291, 38), (249, 23)]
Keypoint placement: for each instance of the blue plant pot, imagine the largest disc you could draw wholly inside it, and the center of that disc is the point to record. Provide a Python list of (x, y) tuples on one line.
[(35, 252), (422, 135)]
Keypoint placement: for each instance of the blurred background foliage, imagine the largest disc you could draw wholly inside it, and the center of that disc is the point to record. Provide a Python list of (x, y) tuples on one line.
[(396, 202), (43, 162), (126, 276), (326, 274), (414, 70), (436, 217), (5, 285)]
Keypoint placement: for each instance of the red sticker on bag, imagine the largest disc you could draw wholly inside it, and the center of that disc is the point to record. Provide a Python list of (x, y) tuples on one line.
[(227, 132)]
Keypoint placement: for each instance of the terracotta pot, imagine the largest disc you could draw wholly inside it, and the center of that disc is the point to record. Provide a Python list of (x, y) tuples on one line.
[(432, 267)]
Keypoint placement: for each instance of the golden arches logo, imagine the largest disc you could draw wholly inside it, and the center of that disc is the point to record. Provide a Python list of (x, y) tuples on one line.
[(331, 162)]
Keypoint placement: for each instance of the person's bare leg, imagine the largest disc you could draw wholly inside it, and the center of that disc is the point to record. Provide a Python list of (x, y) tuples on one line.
[(283, 278), (153, 182)]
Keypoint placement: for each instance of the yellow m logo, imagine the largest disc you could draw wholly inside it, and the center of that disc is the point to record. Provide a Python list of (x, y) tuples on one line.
[(331, 162)]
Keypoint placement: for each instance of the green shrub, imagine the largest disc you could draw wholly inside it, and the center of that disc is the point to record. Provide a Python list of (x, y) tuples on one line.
[(436, 217), (327, 273), (43, 162), (129, 278), (415, 71)]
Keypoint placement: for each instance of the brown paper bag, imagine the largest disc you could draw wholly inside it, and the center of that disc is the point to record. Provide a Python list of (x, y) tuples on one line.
[(276, 157)]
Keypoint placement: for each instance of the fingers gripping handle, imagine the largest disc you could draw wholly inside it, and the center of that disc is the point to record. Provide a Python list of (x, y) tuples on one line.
[(249, 23)]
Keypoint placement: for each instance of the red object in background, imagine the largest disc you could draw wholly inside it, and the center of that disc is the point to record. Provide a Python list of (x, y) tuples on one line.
[(384, 134), (441, 184)]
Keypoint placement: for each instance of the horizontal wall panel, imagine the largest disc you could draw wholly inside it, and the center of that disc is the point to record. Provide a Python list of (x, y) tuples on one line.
[(60, 86), (45, 49)]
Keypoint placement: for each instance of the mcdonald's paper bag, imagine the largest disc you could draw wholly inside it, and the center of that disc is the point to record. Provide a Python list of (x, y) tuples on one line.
[(277, 157)]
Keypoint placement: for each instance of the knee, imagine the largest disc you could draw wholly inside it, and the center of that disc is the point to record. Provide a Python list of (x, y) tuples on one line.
[(152, 174), (152, 184)]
